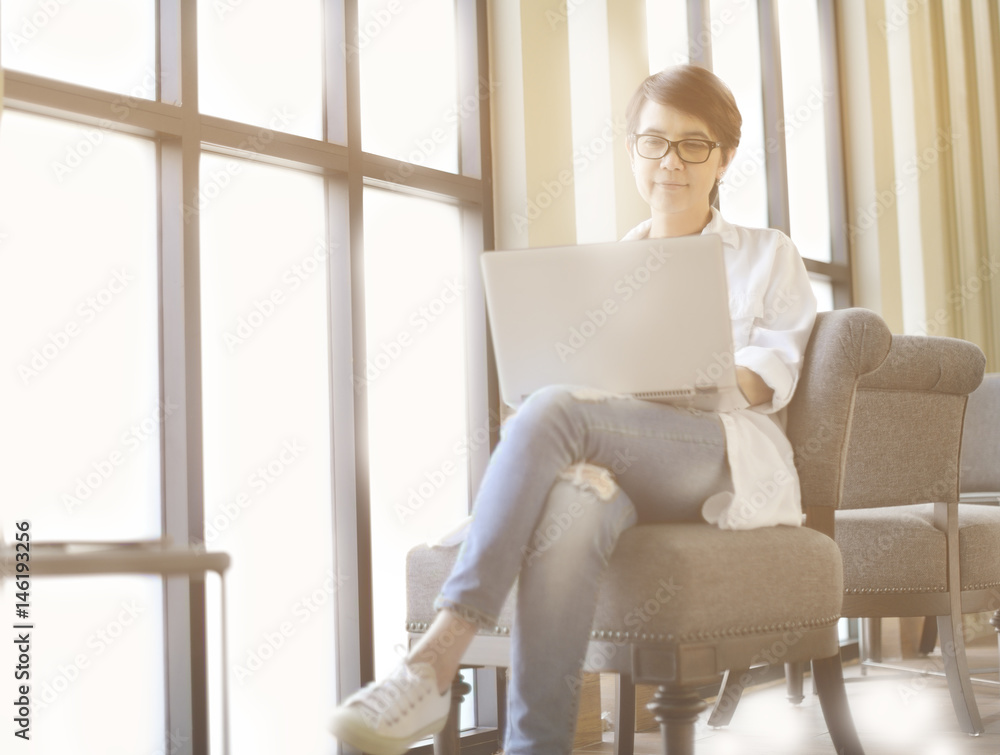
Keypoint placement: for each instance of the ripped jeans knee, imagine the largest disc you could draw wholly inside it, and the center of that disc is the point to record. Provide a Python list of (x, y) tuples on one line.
[(591, 478), (585, 509)]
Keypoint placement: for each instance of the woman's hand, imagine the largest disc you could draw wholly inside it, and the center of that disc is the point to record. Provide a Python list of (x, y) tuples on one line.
[(753, 387)]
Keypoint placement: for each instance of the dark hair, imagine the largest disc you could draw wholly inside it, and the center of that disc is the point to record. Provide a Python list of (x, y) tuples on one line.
[(698, 92)]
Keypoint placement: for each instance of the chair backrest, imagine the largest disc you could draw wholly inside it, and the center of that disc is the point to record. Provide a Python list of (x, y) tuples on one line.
[(866, 403), (981, 438)]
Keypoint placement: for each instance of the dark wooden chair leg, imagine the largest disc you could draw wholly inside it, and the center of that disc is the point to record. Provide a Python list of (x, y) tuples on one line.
[(501, 706), (733, 684), (995, 621), (624, 714), (928, 637), (871, 628), (676, 711), (446, 741), (829, 678), (793, 682)]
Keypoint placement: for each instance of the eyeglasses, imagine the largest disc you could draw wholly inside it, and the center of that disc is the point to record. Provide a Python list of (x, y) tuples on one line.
[(689, 150)]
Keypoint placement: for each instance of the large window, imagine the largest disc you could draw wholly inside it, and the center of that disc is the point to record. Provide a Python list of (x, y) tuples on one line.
[(404, 78), (735, 52), (778, 57), (104, 44), (261, 63), (415, 370), (265, 353), (241, 269), (82, 416)]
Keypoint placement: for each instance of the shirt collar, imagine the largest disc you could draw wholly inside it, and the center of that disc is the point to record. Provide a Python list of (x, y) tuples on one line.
[(718, 224)]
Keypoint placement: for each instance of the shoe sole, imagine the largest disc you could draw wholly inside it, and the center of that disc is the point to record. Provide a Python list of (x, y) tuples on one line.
[(364, 739)]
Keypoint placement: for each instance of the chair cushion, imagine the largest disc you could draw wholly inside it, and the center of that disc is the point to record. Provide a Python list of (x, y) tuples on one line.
[(684, 582), (898, 549)]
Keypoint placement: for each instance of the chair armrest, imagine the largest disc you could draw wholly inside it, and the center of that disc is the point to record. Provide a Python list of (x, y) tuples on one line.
[(845, 344), (928, 363)]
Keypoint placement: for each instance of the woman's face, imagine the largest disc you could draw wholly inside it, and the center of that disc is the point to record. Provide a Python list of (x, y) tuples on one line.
[(670, 185)]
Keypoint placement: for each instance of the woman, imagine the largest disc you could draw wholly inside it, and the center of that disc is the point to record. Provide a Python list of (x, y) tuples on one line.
[(597, 464)]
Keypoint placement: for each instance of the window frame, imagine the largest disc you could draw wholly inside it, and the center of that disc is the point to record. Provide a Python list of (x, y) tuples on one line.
[(182, 133), (838, 271)]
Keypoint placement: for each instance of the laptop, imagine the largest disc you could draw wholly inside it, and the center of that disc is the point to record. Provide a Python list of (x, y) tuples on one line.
[(647, 318)]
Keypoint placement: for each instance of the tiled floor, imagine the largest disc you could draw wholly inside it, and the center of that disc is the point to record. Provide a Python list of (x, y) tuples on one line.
[(894, 714)]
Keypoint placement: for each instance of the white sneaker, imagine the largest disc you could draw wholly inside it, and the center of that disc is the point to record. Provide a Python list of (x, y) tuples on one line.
[(387, 717)]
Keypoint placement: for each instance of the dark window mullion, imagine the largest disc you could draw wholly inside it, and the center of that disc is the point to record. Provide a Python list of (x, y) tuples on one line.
[(356, 252), (183, 488), (839, 253), (353, 655), (771, 92), (700, 33), (470, 88)]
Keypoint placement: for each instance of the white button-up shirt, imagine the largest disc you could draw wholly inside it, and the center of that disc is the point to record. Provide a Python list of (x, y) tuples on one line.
[(773, 308)]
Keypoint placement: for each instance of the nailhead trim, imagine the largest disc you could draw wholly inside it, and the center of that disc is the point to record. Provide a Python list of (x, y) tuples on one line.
[(877, 590), (604, 634), (983, 586), (609, 634), (423, 626)]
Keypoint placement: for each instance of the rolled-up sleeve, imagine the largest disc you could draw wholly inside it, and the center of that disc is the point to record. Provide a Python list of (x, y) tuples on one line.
[(780, 331)]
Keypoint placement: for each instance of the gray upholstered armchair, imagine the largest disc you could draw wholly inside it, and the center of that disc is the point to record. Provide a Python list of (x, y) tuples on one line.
[(740, 599), (909, 548), (938, 559)]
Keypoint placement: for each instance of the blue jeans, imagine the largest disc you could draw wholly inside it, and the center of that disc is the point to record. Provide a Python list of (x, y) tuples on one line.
[(543, 518)]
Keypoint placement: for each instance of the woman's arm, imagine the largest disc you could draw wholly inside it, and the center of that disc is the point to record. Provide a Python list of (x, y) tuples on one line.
[(753, 387), (776, 344)]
